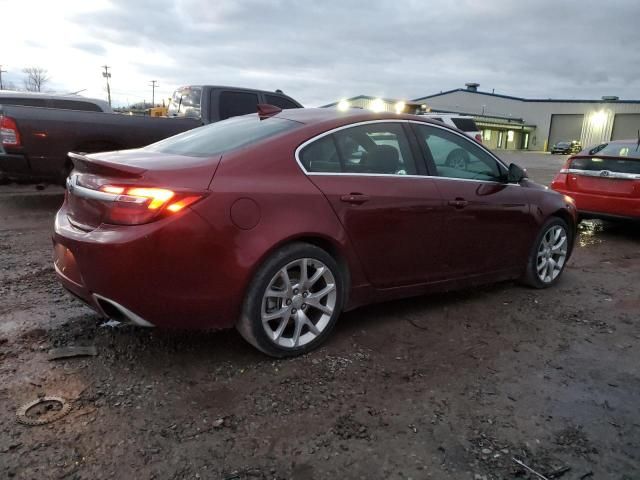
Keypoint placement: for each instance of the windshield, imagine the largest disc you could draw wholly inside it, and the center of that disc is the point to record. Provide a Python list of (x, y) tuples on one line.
[(186, 103), (222, 136)]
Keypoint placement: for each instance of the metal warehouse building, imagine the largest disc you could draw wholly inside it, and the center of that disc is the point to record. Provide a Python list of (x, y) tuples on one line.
[(536, 124), (521, 123)]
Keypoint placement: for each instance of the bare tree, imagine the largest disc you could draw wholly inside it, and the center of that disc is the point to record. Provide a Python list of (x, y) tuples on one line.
[(36, 78)]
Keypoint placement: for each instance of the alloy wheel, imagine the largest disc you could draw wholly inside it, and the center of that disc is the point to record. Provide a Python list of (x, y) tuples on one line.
[(298, 303), (552, 253)]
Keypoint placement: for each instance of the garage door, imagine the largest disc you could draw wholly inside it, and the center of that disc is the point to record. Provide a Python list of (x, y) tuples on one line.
[(565, 128), (625, 126)]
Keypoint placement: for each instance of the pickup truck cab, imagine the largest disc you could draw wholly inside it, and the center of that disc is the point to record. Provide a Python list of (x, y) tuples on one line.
[(35, 139)]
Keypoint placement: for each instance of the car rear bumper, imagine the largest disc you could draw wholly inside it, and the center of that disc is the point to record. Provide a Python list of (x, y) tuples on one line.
[(14, 165), (592, 205), (165, 273)]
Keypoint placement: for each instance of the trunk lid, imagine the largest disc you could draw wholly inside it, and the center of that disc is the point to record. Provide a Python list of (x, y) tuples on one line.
[(611, 176), (88, 206)]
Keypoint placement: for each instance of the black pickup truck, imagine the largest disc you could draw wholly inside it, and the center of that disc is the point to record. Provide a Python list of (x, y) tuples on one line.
[(35, 140)]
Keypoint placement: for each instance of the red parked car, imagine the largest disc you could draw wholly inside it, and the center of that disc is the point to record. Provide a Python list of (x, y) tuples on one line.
[(277, 222), (604, 181)]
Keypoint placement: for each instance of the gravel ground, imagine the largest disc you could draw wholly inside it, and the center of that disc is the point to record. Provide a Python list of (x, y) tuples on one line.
[(446, 387)]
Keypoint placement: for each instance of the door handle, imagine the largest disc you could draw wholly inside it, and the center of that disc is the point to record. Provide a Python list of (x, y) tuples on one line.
[(458, 203), (355, 198)]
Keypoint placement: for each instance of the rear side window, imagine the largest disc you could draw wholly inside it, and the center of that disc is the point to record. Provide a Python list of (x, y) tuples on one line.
[(632, 165), (378, 148), (465, 124), (279, 101), (233, 104), (222, 136), (25, 102), (74, 105), (321, 156)]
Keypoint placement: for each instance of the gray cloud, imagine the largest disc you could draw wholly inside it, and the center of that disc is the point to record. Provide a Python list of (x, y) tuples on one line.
[(327, 50), (91, 47)]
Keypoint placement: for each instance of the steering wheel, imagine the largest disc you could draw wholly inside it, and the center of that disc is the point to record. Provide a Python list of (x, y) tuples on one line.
[(458, 159)]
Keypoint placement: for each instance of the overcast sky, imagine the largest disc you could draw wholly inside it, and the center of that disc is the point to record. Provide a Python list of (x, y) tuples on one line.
[(322, 51)]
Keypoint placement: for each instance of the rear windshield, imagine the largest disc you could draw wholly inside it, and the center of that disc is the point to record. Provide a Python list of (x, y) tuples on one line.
[(611, 164), (465, 124), (222, 136), (186, 103), (618, 149)]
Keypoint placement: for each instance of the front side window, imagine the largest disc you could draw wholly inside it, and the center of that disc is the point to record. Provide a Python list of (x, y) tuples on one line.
[(456, 157)]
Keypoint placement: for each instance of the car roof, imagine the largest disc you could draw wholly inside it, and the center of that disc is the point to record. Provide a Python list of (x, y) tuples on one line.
[(353, 115), (436, 114)]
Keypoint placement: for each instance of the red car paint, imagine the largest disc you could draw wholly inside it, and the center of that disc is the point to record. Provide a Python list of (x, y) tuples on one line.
[(415, 234), (602, 183)]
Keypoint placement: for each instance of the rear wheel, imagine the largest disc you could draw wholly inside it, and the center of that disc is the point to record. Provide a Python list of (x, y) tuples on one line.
[(549, 254), (293, 301)]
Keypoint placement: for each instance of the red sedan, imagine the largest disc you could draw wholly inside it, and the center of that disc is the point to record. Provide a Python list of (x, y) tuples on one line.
[(277, 222), (604, 181)]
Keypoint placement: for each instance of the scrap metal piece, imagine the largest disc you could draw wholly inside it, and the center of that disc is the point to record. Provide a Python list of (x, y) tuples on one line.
[(49, 416), (72, 351)]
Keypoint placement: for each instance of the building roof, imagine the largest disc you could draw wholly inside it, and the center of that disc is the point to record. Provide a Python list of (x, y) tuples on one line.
[(521, 99)]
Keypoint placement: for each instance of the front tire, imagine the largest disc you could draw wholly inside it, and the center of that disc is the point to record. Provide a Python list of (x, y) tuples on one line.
[(293, 302), (549, 254)]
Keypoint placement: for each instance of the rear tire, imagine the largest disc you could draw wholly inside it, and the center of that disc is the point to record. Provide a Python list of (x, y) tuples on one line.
[(549, 254), (293, 301)]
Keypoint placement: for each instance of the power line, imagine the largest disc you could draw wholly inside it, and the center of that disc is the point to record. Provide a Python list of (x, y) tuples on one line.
[(107, 76)]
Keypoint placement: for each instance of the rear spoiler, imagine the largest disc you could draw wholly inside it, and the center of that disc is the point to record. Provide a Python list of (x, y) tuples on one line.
[(84, 163)]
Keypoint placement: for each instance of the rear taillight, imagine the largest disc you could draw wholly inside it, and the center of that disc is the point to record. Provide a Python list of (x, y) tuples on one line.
[(9, 134), (137, 205), (560, 180), (479, 137)]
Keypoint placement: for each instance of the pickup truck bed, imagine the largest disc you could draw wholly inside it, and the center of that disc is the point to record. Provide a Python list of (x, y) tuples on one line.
[(35, 141), (48, 134)]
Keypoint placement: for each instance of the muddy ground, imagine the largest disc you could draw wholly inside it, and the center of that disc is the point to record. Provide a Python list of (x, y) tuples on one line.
[(446, 387)]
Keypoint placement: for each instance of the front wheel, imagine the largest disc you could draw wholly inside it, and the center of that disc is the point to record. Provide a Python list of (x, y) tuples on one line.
[(293, 301), (549, 254)]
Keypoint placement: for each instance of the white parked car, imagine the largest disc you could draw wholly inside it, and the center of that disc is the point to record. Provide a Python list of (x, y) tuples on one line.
[(465, 123)]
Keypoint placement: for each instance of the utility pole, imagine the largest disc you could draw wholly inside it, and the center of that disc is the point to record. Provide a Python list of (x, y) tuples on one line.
[(1, 72), (153, 92), (107, 75)]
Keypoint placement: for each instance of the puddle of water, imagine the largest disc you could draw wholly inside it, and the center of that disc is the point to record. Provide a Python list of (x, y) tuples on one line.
[(588, 233)]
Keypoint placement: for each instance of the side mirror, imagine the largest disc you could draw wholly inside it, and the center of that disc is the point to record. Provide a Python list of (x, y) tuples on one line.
[(516, 174)]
